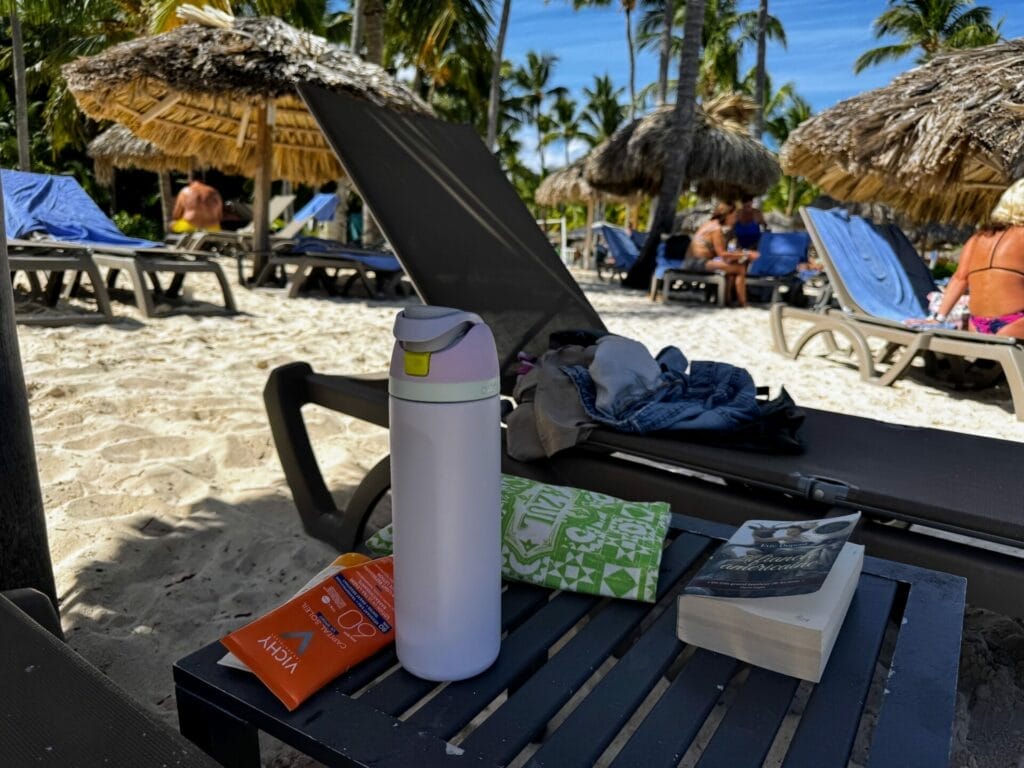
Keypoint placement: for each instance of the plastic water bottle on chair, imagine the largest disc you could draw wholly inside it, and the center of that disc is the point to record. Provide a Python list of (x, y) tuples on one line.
[(445, 433)]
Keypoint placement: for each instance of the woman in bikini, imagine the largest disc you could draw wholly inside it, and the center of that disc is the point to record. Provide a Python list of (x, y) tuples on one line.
[(708, 253), (992, 269)]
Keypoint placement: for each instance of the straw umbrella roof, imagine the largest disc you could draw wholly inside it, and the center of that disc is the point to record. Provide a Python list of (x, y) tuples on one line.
[(940, 143), (117, 147), (569, 185), (725, 161), (195, 91)]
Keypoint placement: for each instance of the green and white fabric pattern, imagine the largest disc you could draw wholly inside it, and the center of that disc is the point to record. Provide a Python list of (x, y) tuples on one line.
[(577, 540)]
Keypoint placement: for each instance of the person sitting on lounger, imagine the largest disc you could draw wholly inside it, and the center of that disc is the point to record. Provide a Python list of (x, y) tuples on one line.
[(198, 206), (992, 269), (708, 253)]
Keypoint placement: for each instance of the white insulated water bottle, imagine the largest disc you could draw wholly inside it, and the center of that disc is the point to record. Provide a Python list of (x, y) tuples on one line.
[(445, 431)]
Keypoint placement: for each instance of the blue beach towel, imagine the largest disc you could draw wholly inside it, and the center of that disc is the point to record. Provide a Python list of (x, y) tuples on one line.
[(780, 252), (58, 207), (868, 266), (383, 262)]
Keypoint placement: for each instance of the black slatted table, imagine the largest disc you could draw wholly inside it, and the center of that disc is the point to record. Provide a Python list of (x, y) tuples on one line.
[(903, 628)]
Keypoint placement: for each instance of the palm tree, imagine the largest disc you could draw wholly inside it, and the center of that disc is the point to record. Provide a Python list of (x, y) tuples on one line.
[(932, 26), (783, 118), (493, 103), (566, 124), (727, 33), (628, 6), (20, 89), (531, 82), (675, 171), (759, 92), (604, 113)]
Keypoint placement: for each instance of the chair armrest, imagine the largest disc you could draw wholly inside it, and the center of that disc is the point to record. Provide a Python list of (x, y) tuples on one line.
[(288, 389), (37, 607)]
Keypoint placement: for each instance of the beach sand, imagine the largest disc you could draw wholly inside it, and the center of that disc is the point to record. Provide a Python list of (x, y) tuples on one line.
[(170, 522)]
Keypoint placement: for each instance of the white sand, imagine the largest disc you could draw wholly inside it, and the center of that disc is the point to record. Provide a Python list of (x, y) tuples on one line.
[(170, 522)]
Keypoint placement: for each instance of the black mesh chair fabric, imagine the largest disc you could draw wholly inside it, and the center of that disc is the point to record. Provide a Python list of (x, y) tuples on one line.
[(466, 240), (464, 237)]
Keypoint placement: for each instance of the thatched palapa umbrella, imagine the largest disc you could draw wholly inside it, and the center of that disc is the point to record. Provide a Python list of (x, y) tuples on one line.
[(569, 185), (117, 147), (224, 90), (725, 160), (940, 143)]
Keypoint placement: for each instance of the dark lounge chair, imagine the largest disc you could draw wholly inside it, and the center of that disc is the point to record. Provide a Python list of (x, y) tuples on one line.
[(466, 240)]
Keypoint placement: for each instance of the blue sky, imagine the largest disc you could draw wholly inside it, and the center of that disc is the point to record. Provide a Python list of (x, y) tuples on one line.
[(825, 37)]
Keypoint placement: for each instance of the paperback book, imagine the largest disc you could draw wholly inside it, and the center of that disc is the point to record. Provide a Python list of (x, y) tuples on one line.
[(775, 594)]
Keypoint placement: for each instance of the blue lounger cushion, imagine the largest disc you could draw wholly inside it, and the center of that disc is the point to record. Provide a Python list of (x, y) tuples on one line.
[(870, 269), (780, 252)]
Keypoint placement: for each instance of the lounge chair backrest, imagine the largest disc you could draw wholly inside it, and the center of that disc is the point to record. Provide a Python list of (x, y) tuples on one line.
[(278, 205), (915, 267), (319, 208), (864, 270), (457, 225), (638, 238), (780, 253), (57, 206), (620, 245)]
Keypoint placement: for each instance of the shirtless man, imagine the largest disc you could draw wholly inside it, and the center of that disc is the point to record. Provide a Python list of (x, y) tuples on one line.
[(198, 206), (992, 269)]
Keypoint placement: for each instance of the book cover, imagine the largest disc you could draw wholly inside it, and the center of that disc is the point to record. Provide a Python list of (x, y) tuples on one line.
[(774, 558)]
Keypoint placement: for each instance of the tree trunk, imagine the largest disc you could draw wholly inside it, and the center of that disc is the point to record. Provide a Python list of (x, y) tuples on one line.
[(675, 172), (20, 93), (166, 198), (356, 41), (24, 549), (666, 51), (373, 28), (494, 103), (791, 195), (373, 18), (760, 82), (261, 193), (632, 64), (540, 148)]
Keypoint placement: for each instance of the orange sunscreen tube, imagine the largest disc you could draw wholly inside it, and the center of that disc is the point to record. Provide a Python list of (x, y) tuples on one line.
[(301, 646)]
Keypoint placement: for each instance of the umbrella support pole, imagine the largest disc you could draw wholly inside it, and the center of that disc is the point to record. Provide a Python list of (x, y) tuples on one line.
[(261, 195), (588, 238)]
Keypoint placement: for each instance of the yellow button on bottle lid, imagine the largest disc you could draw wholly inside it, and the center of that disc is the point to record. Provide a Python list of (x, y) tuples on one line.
[(417, 363)]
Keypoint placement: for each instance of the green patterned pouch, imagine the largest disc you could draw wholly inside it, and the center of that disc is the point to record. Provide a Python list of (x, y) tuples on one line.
[(572, 539)]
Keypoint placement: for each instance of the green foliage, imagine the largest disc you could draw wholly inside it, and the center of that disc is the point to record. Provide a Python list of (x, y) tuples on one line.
[(944, 267), (137, 225), (933, 26)]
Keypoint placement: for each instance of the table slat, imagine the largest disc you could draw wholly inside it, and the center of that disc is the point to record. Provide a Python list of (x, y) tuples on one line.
[(671, 726), (830, 720), (748, 729), (517, 603), (398, 692), (592, 726), (914, 726), (528, 710)]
